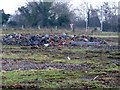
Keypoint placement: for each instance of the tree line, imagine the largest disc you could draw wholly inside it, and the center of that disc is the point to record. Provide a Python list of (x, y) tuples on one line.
[(59, 14)]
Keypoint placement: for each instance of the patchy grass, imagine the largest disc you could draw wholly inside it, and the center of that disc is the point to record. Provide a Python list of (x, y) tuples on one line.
[(106, 36), (49, 78), (25, 56), (75, 50), (101, 63), (15, 52), (67, 61)]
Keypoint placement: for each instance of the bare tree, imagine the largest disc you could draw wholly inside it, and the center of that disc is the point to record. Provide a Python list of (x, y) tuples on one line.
[(108, 15)]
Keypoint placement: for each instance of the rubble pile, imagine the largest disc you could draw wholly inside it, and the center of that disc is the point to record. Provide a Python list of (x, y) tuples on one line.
[(49, 40)]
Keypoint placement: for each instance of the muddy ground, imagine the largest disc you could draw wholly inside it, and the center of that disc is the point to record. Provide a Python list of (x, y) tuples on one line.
[(99, 63)]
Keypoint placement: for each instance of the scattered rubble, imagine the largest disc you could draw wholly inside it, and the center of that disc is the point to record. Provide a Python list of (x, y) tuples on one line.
[(50, 40)]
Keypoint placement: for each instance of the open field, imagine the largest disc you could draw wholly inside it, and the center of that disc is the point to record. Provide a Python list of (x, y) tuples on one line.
[(59, 31), (61, 67)]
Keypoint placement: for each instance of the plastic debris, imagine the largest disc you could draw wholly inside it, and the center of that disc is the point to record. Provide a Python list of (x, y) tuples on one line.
[(50, 40)]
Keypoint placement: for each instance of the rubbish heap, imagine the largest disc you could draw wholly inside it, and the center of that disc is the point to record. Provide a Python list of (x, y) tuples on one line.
[(49, 40)]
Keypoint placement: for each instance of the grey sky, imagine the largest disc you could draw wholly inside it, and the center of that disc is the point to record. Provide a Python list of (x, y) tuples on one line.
[(10, 6)]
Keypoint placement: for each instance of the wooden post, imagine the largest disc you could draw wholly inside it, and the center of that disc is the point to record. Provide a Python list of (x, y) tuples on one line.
[(56, 28), (22, 27), (0, 19), (39, 27), (72, 27), (101, 28)]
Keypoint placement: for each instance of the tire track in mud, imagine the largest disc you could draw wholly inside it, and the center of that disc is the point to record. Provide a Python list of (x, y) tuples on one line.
[(9, 65)]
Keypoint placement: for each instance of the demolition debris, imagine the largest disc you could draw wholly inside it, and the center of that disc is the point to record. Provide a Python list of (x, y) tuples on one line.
[(50, 40)]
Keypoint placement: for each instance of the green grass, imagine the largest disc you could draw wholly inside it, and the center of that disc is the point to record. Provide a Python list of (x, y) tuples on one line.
[(106, 33), (36, 31), (50, 78), (96, 61), (106, 36), (15, 52), (59, 31), (25, 56), (72, 61), (57, 78), (93, 84), (48, 75), (75, 50), (66, 61)]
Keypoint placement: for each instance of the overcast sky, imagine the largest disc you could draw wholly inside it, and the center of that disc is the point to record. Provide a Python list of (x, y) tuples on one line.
[(10, 6)]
